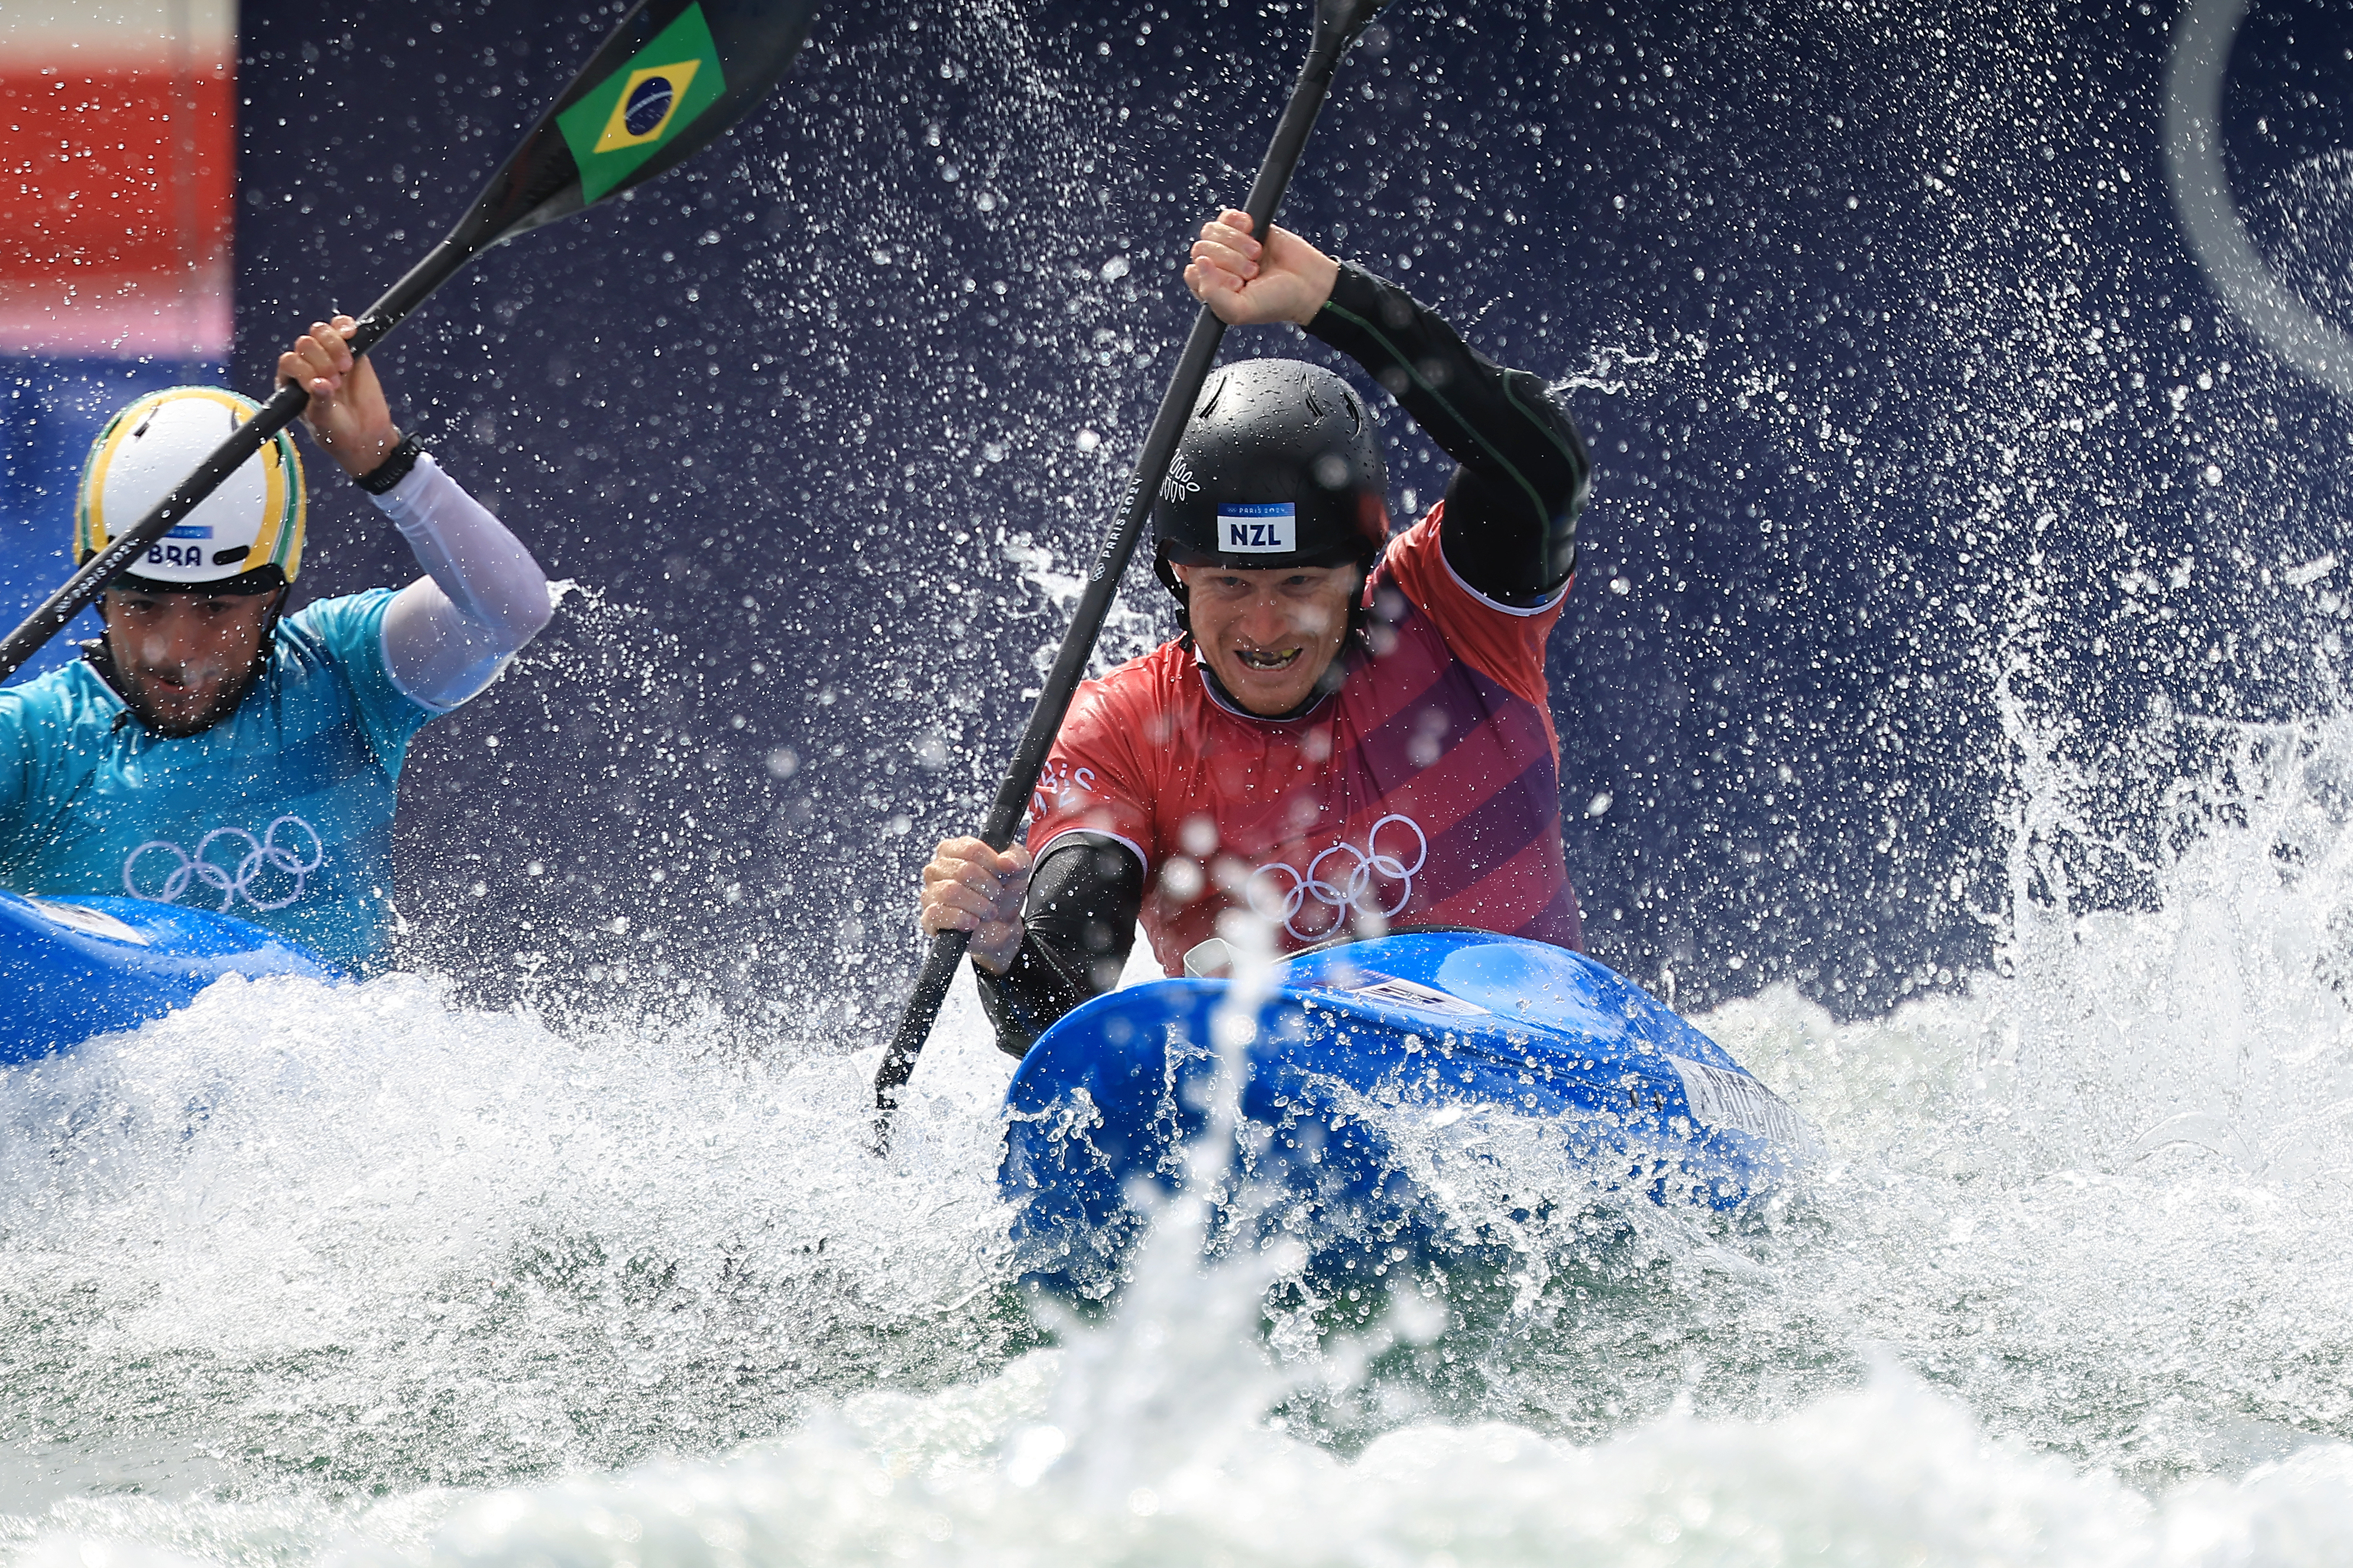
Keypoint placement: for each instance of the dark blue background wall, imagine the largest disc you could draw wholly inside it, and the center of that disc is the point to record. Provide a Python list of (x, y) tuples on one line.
[(1930, 467)]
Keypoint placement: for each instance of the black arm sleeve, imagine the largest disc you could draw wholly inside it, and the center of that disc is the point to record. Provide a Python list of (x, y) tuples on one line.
[(1080, 921), (1510, 511)]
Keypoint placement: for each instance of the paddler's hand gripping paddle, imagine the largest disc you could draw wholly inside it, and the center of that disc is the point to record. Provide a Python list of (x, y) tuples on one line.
[(674, 75), (1337, 24)]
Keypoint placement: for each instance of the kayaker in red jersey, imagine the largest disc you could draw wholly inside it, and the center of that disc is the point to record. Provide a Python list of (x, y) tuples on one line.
[(1353, 732)]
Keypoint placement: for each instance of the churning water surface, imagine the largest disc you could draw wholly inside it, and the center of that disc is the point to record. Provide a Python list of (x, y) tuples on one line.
[(363, 1276), (357, 1275)]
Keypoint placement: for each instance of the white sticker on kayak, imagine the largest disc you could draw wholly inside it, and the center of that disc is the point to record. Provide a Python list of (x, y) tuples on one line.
[(1409, 994), (89, 921), (1721, 1097)]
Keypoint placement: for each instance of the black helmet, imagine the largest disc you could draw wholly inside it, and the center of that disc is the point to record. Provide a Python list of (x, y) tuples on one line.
[(1279, 466)]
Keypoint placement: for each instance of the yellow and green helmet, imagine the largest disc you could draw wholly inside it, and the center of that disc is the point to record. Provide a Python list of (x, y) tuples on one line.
[(248, 534)]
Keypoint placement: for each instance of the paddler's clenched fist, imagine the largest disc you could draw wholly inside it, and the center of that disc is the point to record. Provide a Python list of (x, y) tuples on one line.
[(347, 412), (1286, 279), (967, 886)]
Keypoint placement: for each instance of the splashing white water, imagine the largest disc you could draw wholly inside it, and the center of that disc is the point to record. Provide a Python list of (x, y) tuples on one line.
[(353, 1273)]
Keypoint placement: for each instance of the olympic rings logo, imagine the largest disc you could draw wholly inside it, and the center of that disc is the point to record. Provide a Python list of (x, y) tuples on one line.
[(262, 856), (1369, 871)]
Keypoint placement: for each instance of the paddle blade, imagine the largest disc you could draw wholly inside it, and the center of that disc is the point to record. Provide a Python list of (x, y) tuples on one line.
[(671, 77)]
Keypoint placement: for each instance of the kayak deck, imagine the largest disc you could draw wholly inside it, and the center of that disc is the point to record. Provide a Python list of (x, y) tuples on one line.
[(1375, 1072), (81, 966)]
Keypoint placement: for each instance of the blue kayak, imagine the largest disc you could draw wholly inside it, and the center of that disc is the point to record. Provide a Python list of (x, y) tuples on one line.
[(72, 968), (1450, 1037)]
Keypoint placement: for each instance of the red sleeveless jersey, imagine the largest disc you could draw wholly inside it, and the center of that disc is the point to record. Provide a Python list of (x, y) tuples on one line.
[(1425, 791)]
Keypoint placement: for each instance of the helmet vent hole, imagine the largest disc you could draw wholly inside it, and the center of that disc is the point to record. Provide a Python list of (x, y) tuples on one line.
[(1355, 413), (223, 557)]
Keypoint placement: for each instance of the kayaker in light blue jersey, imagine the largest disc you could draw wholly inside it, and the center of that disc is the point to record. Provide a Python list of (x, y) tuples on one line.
[(205, 751)]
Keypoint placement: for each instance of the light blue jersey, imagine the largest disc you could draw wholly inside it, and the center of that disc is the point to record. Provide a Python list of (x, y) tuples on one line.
[(280, 814)]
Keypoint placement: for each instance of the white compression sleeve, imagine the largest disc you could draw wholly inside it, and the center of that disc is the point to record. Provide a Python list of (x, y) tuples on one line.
[(447, 635)]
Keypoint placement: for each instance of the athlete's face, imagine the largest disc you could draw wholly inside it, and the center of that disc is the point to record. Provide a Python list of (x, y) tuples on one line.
[(184, 657), (1269, 636)]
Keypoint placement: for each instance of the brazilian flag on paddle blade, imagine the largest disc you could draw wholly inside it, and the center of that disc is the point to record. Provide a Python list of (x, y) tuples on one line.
[(656, 94)]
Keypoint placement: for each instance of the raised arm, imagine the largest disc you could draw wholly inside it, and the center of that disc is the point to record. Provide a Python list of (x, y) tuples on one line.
[(447, 635), (482, 597), (1510, 527)]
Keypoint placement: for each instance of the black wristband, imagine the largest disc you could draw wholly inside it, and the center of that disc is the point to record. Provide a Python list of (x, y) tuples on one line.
[(392, 469)]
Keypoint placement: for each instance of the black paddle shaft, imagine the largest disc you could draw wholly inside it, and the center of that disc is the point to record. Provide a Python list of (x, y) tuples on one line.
[(1337, 24), (735, 48)]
